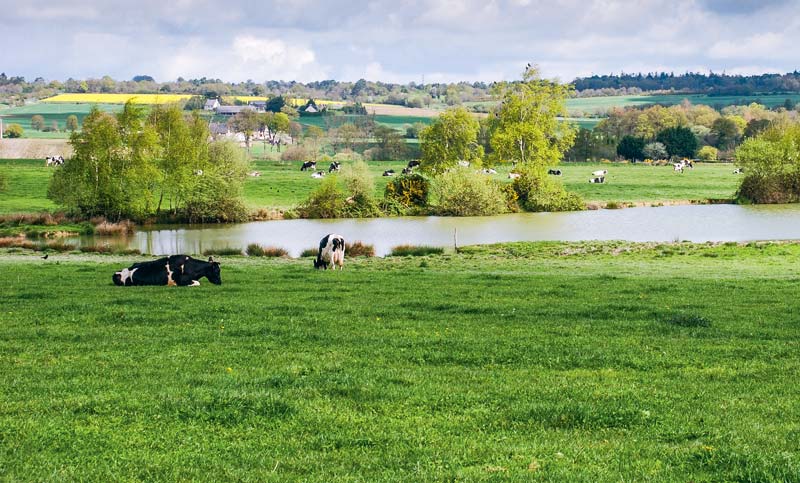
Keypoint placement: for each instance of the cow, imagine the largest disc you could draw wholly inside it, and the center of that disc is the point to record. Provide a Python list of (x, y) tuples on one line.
[(335, 166), (318, 174), (738, 171), (488, 171), (407, 171), (176, 270), (463, 164), (388, 172), (678, 167), (198, 172), (599, 172), (600, 179), (331, 252), (54, 160), (554, 172), (308, 165), (412, 164), (514, 175), (254, 174)]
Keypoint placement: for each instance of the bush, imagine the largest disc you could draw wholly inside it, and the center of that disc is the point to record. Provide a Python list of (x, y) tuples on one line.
[(347, 155), (327, 201), (708, 153), (415, 251), (14, 131), (296, 153), (357, 249), (124, 227), (360, 186), (222, 251), (464, 193), (309, 252), (256, 250), (538, 192), (409, 190)]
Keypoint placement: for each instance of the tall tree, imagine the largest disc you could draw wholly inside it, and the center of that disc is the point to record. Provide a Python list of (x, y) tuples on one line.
[(451, 138), (37, 122), (679, 141), (72, 123)]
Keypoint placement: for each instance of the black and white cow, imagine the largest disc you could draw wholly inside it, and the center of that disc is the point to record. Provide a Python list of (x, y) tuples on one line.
[(331, 252), (600, 179), (407, 171), (334, 167), (738, 171), (554, 172), (312, 165), (412, 164), (600, 172), (54, 160), (388, 172), (177, 270)]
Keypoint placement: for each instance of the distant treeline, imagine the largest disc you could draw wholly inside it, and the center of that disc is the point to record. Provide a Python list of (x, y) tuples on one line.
[(692, 82)]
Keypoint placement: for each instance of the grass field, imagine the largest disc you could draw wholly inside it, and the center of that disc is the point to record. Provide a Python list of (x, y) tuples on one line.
[(51, 112), (89, 98), (283, 185), (598, 104), (543, 362)]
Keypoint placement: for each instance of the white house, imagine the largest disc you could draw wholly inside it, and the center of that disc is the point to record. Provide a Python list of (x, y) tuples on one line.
[(211, 104)]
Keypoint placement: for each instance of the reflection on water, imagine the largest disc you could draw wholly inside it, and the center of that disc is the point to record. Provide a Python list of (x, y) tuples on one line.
[(693, 223)]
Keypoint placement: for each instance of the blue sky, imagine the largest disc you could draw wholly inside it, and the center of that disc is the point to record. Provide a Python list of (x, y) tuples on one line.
[(394, 40)]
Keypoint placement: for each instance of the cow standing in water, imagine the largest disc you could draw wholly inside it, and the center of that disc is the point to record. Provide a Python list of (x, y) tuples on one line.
[(177, 270), (331, 252)]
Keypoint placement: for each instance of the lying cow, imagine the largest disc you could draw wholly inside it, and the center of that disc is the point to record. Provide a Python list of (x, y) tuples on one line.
[(599, 179), (412, 164), (488, 171), (738, 171), (312, 165), (554, 172), (318, 174), (599, 172), (177, 270), (331, 252), (388, 172), (407, 171)]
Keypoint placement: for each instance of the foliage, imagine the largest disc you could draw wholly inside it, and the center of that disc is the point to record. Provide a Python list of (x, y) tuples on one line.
[(217, 193), (415, 251), (728, 130), (37, 122), (296, 153), (256, 250), (461, 192), (771, 163), (655, 151), (245, 122), (526, 126), (72, 123), (631, 147), (327, 201), (275, 104), (360, 186), (678, 141), (708, 153), (540, 192), (13, 130), (451, 138), (358, 249), (409, 190), (391, 144)]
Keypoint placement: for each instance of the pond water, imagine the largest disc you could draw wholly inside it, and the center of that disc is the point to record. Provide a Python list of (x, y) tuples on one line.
[(697, 223)]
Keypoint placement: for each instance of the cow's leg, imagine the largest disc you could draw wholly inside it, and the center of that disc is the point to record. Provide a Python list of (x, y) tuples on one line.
[(195, 283)]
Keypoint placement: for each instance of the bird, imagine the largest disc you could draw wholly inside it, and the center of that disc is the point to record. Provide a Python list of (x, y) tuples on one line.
[(45, 256)]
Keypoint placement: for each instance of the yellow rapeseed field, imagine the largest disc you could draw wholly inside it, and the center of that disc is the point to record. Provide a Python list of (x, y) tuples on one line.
[(89, 98)]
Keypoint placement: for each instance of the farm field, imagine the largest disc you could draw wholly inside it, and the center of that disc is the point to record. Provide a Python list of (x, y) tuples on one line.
[(283, 185), (51, 112), (566, 362), (599, 104), (91, 98)]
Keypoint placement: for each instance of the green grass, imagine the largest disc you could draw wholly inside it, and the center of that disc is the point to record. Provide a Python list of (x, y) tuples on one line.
[(283, 185), (51, 112), (598, 104), (550, 362)]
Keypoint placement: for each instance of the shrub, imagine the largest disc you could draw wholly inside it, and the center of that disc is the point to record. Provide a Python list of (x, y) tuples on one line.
[(347, 155), (296, 153), (464, 193), (357, 249), (222, 251), (327, 201), (14, 131), (360, 186), (256, 250), (538, 192), (415, 251), (708, 153), (124, 227), (309, 252), (409, 190), (655, 151)]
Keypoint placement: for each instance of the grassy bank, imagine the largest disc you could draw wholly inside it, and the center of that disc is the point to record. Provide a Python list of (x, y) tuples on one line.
[(283, 185), (552, 362)]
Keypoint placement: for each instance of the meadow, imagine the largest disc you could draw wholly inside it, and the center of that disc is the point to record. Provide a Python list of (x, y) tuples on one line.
[(579, 362), (590, 105), (282, 184), (51, 112), (96, 98)]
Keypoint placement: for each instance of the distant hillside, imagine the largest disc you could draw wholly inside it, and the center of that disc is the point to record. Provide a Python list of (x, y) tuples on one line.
[(691, 82)]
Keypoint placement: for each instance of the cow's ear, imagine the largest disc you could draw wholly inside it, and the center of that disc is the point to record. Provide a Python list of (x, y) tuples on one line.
[(211, 259)]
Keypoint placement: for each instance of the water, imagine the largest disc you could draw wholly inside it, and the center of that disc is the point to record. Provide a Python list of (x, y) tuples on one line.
[(697, 223)]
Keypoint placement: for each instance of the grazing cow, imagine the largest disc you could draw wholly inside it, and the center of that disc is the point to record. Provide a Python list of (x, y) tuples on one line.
[(407, 171), (738, 171), (198, 172), (600, 172), (554, 172), (388, 172), (54, 160), (318, 174), (464, 164), (678, 167), (334, 167), (412, 164), (600, 179), (331, 252), (254, 174), (308, 165), (514, 175), (177, 270)]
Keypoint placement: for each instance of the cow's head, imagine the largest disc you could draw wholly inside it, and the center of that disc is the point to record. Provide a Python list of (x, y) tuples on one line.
[(213, 273), (117, 278)]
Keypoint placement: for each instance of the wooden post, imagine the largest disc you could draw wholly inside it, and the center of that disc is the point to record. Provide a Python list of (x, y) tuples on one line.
[(455, 239)]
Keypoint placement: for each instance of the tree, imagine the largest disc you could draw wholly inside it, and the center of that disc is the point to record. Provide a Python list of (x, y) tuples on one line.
[(727, 132), (275, 104), (527, 129), (451, 138), (275, 124), (679, 141), (13, 131), (247, 123), (631, 147), (708, 153), (756, 127), (314, 136), (347, 134), (771, 163), (72, 123), (390, 143), (655, 151), (37, 122)]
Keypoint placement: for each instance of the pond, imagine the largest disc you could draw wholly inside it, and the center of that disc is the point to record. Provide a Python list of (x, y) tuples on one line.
[(697, 223)]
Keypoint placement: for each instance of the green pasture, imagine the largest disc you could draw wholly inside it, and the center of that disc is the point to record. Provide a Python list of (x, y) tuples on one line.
[(518, 362), (599, 104), (51, 112), (283, 185)]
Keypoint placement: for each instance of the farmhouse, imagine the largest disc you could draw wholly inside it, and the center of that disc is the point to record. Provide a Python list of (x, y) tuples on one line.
[(259, 106), (233, 110), (211, 104)]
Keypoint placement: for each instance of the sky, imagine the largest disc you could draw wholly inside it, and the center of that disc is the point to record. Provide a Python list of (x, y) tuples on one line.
[(393, 40)]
